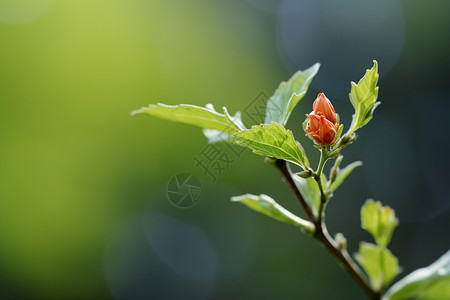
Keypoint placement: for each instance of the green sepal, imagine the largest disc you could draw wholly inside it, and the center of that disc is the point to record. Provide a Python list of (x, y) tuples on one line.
[(338, 133)]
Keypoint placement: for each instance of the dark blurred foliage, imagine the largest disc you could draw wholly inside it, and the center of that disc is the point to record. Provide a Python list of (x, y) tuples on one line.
[(83, 206)]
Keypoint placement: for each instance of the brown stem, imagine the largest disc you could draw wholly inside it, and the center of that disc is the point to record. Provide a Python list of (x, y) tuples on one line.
[(345, 260), (322, 235), (285, 170)]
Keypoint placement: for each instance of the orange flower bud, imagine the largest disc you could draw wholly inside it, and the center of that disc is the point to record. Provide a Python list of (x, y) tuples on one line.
[(322, 121), (323, 106), (322, 130)]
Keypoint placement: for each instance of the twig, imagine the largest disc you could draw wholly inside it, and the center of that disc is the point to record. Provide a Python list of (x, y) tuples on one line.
[(285, 170), (322, 235), (345, 260)]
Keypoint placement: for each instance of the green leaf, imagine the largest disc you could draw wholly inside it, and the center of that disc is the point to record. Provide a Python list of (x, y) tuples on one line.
[(204, 117), (267, 206), (379, 263), (363, 97), (342, 174), (288, 94), (274, 141), (310, 191), (378, 220), (303, 154), (432, 282)]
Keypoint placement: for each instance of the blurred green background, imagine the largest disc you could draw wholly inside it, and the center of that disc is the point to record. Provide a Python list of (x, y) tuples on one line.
[(83, 207)]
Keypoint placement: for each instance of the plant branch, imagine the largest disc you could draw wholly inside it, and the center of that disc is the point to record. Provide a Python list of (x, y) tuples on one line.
[(345, 260), (322, 235), (323, 159), (323, 198), (285, 170)]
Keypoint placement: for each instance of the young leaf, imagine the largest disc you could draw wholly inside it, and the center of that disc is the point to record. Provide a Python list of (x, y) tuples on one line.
[(379, 263), (274, 141), (432, 282), (267, 206), (379, 221), (363, 97), (288, 94), (342, 174), (204, 117), (310, 191)]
